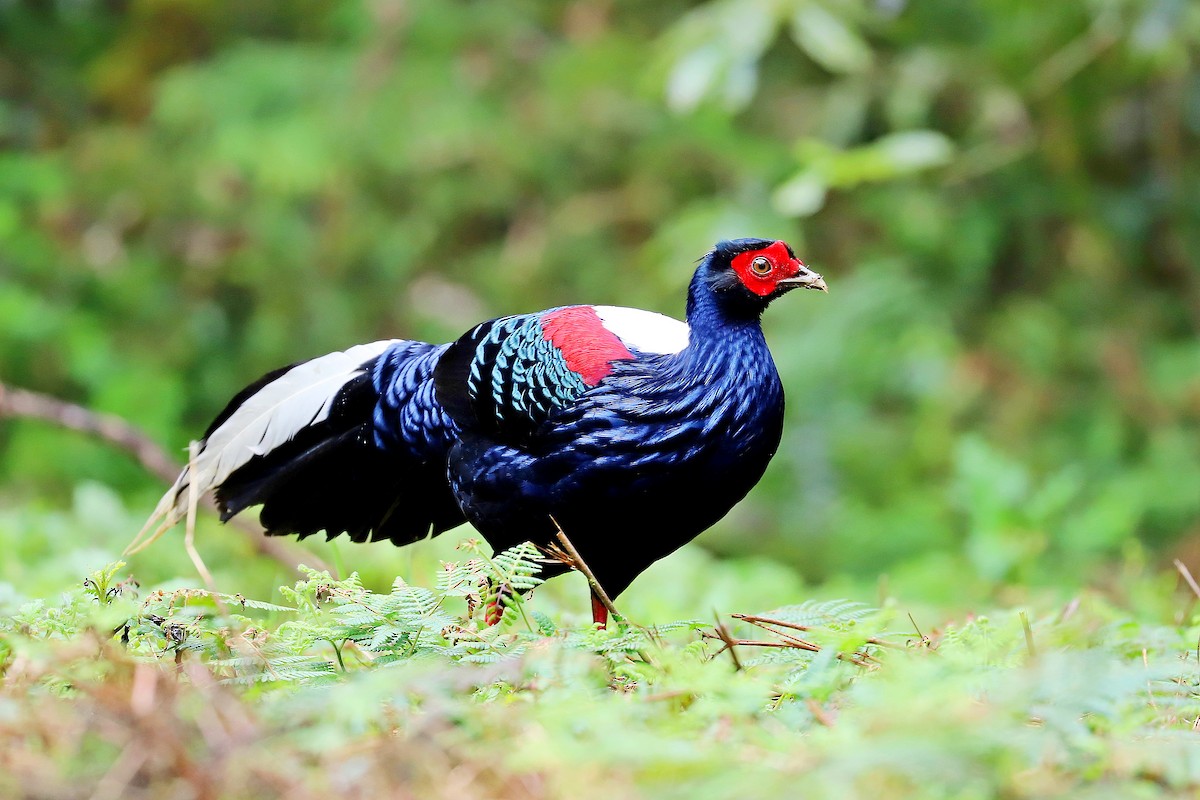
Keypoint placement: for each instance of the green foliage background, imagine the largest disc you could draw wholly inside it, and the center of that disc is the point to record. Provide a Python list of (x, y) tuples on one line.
[(997, 403), (1003, 380)]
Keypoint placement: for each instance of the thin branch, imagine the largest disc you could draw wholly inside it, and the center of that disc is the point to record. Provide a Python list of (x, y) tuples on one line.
[(1068, 610), (794, 644), (723, 635), (763, 622), (1186, 573), (857, 659), (766, 623), (819, 714), (787, 637), (1187, 577), (107, 427), (111, 429), (576, 561), (925, 640)]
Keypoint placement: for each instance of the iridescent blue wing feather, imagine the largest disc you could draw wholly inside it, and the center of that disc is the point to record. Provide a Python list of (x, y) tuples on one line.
[(507, 376)]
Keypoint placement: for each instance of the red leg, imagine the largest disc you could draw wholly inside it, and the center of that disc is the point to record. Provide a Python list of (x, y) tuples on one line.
[(599, 612)]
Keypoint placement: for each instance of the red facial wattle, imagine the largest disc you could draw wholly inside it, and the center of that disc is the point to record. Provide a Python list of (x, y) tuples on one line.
[(782, 265)]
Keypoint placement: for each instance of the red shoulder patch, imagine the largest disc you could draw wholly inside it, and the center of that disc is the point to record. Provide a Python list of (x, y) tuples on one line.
[(588, 347)]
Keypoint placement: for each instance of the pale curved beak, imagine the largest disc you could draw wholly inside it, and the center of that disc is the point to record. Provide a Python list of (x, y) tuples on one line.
[(805, 279)]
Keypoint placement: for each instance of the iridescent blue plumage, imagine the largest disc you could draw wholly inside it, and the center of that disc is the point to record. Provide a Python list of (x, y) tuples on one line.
[(407, 416), (520, 372), (631, 431), (509, 375), (641, 463)]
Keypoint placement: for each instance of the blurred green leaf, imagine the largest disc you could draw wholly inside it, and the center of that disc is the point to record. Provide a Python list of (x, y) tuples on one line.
[(802, 195), (828, 40), (998, 196)]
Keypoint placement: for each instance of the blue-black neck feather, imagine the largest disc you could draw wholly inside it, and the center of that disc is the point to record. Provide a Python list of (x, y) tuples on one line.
[(726, 343), (717, 299), (721, 312)]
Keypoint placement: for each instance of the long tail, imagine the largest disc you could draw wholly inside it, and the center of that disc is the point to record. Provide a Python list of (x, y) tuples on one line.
[(352, 442)]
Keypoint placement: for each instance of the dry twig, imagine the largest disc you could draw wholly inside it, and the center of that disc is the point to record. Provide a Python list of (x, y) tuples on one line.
[(1187, 577), (786, 641), (926, 641), (730, 644), (570, 555), (790, 643), (819, 714), (762, 622)]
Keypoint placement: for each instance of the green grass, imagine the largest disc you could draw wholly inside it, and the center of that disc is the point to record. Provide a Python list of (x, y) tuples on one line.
[(331, 689)]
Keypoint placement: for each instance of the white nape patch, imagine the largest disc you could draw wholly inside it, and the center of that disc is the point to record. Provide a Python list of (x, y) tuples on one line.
[(300, 397), (644, 330)]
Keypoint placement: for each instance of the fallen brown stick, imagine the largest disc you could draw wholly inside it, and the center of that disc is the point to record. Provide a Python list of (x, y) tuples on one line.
[(788, 643), (764, 622)]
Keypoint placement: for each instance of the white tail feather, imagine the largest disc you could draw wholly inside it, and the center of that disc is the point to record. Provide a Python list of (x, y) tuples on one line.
[(301, 397)]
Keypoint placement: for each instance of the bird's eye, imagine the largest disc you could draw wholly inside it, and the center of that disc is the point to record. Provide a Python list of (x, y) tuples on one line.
[(760, 266)]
